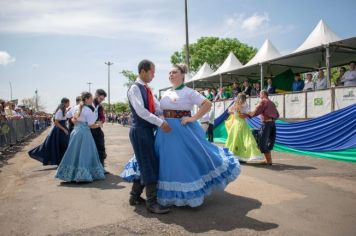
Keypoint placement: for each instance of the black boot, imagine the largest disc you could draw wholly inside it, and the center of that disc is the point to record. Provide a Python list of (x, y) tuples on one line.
[(151, 203), (135, 198)]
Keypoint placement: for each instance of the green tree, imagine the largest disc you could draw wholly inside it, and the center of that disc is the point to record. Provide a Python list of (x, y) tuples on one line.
[(214, 51), (130, 76), (117, 107)]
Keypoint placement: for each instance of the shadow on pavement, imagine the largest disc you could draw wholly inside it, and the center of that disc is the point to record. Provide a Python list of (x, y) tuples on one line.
[(111, 182), (221, 212), (280, 167)]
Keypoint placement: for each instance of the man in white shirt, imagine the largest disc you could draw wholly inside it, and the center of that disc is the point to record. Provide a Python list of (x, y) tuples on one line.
[(309, 84), (144, 106), (321, 82), (349, 78)]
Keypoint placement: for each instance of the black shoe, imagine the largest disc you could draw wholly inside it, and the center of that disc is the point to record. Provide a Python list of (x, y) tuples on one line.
[(106, 172), (157, 208), (134, 201)]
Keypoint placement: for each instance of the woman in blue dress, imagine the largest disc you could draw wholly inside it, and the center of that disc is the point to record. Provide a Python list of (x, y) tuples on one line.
[(81, 161), (51, 151), (190, 167)]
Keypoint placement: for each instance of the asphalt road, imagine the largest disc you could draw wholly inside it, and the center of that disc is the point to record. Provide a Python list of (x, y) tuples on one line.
[(296, 196)]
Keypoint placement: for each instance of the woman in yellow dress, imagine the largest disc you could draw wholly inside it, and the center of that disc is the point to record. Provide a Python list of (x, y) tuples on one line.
[(240, 140)]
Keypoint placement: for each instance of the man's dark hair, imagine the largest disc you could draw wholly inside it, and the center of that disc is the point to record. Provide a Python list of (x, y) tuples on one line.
[(352, 62), (100, 92), (145, 65), (264, 92), (297, 74), (78, 99)]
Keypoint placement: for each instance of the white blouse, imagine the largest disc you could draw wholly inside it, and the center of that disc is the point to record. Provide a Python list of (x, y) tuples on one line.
[(87, 115), (59, 115), (183, 99)]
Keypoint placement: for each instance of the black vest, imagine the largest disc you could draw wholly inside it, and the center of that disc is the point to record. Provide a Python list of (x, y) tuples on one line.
[(136, 120)]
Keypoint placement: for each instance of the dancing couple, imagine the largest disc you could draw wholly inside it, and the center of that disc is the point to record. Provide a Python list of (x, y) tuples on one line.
[(173, 160)]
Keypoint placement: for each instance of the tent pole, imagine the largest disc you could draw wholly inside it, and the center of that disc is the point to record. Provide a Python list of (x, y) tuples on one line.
[(327, 62), (220, 81), (261, 66)]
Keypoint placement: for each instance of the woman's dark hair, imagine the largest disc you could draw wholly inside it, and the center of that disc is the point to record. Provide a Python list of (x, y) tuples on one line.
[(182, 68), (145, 65), (62, 106), (85, 96)]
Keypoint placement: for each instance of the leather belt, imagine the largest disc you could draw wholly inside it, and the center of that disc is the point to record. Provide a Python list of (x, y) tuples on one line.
[(176, 113)]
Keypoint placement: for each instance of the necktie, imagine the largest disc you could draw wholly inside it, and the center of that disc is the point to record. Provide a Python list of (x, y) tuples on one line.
[(151, 104)]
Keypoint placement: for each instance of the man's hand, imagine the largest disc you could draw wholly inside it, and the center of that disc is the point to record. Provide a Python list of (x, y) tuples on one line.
[(165, 127)]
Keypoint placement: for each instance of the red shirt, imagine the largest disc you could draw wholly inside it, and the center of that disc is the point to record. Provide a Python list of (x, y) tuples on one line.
[(267, 109)]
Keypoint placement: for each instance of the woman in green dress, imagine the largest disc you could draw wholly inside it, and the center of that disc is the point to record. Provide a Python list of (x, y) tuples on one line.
[(240, 139)]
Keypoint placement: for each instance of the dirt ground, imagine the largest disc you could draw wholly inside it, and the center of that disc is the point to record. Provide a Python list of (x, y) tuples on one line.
[(296, 196)]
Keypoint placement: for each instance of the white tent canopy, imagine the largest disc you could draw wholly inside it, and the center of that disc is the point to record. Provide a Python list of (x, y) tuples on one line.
[(230, 63), (267, 52), (321, 35), (204, 71)]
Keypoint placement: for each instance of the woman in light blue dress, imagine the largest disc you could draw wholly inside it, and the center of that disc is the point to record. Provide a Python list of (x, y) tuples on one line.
[(81, 162), (190, 167)]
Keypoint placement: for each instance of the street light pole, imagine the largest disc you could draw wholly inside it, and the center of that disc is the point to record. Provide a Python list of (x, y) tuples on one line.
[(186, 36), (89, 83), (36, 92), (109, 64), (10, 90)]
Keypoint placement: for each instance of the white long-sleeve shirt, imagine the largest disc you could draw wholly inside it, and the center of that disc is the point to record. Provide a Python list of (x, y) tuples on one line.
[(349, 78), (321, 84), (136, 101)]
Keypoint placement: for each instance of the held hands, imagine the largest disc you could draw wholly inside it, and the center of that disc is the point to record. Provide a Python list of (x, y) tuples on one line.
[(186, 120), (165, 127)]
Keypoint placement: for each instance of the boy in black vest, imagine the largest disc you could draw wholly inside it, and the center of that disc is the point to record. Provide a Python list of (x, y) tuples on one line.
[(143, 106)]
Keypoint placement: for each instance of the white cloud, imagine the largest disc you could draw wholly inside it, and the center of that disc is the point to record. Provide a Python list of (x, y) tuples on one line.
[(5, 58), (255, 22), (35, 66), (106, 18)]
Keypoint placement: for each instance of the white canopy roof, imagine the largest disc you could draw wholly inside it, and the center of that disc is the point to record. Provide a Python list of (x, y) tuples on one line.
[(267, 52), (204, 71), (230, 63), (321, 35)]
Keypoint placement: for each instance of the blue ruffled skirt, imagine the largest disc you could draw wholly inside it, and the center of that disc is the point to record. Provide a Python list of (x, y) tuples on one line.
[(80, 162), (190, 167), (51, 151)]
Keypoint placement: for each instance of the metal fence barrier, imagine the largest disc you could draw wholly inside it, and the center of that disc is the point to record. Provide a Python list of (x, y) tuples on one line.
[(14, 131)]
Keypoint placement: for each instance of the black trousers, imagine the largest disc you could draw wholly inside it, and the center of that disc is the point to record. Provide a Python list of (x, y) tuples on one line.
[(211, 133), (98, 136), (267, 136), (142, 140)]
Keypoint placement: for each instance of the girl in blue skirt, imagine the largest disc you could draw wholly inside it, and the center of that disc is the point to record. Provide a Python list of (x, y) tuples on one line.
[(81, 160), (51, 151)]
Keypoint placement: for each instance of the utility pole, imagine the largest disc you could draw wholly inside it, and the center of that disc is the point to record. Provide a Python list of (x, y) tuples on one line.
[(89, 83), (109, 64), (10, 90), (36, 92), (186, 36)]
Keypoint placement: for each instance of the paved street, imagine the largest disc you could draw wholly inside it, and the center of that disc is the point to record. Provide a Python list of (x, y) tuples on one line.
[(296, 196)]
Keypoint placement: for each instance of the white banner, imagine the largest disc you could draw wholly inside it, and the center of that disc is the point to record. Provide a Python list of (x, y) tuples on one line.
[(344, 97), (227, 103), (278, 101), (219, 109), (318, 103), (295, 105), (254, 102)]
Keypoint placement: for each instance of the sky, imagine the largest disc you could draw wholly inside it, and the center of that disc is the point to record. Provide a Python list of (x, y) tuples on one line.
[(57, 47)]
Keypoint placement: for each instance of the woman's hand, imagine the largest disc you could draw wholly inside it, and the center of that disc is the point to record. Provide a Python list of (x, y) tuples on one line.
[(187, 119), (65, 131)]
